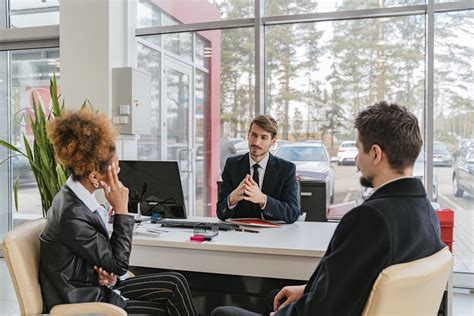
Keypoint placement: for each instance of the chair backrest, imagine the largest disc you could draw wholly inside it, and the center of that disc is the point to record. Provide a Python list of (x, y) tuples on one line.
[(412, 288), (21, 251)]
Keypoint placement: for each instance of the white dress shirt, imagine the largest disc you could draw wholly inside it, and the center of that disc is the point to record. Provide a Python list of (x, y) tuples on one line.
[(261, 170), (88, 199)]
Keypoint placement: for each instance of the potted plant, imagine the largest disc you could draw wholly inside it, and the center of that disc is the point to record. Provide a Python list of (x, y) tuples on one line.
[(49, 175)]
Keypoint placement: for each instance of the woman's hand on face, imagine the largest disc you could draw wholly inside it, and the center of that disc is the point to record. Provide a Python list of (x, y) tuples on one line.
[(115, 192), (105, 278)]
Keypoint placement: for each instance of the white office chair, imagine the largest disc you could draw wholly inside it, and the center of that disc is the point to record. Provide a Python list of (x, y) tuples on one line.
[(21, 251), (412, 288)]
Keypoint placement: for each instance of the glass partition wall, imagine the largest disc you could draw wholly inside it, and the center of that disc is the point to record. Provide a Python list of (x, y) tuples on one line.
[(453, 130), (26, 65), (313, 65), (5, 168)]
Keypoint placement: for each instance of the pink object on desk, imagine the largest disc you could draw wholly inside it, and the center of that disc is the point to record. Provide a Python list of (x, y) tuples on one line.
[(200, 238)]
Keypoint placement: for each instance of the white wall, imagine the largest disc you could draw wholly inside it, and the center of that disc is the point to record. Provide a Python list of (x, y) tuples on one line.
[(96, 36)]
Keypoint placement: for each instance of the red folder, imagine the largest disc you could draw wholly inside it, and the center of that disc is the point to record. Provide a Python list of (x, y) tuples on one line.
[(254, 222)]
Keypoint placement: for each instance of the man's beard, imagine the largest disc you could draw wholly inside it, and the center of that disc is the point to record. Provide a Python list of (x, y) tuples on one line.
[(254, 149), (366, 182)]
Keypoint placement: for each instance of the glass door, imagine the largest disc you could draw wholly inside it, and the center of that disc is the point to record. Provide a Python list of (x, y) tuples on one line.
[(178, 124)]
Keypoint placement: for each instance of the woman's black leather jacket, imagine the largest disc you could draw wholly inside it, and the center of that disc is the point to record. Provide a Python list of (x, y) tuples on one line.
[(73, 241)]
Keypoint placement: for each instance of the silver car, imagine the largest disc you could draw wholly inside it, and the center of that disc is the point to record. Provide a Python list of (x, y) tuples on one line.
[(441, 155), (312, 162), (463, 173), (243, 147)]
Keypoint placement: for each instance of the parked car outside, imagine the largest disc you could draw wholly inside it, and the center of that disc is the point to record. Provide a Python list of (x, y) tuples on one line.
[(243, 147), (235, 141), (278, 144), (441, 155), (466, 142), (463, 173), (463, 143), (418, 172), (312, 162), (347, 153)]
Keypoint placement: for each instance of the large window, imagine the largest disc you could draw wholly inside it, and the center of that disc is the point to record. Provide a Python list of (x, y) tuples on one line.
[(198, 79), (162, 13), (314, 71), (5, 200), (319, 75), (319, 69), (278, 7), (25, 71), (25, 76), (454, 127), (26, 13)]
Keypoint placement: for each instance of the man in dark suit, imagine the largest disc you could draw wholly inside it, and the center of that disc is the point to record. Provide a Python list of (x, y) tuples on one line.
[(396, 224), (258, 184)]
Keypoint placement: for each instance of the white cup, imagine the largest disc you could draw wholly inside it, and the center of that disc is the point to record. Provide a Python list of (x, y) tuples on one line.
[(302, 217)]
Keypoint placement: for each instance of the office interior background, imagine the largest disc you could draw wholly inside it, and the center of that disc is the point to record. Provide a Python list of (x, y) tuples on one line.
[(214, 64)]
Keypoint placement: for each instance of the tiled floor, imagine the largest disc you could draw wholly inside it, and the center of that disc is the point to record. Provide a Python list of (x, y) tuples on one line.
[(463, 301), (463, 246)]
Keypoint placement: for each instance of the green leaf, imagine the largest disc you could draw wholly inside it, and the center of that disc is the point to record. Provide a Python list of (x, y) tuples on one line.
[(15, 192), (3, 161), (26, 143), (61, 175), (53, 88), (11, 147), (9, 157), (50, 176), (35, 111)]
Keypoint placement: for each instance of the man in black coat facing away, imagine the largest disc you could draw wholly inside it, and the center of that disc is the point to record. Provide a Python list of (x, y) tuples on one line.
[(258, 184), (396, 224)]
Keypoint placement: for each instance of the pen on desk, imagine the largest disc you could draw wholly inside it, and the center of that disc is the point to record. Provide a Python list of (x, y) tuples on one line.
[(240, 229), (154, 230)]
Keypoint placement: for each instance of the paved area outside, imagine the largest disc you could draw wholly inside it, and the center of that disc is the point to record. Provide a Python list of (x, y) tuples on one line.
[(463, 246)]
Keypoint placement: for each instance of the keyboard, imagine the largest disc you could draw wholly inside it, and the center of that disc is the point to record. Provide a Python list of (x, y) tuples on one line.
[(191, 224)]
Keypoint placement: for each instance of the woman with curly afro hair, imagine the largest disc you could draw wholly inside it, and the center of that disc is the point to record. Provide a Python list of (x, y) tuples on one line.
[(78, 261)]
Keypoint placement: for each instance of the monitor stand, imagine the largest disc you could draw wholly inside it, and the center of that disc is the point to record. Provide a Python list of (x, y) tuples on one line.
[(138, 217)]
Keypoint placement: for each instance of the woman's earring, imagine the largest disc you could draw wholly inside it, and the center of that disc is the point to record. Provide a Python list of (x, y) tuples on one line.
[(95, 183)]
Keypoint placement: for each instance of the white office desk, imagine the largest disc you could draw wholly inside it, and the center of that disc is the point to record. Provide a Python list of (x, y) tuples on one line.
[(289, 252)]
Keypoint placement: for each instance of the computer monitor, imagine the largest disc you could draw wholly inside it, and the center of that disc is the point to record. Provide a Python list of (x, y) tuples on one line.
[(156, 185)]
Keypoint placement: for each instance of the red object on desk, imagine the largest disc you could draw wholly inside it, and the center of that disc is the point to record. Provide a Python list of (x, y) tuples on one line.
[(253, 222), (446, 221), (200, 238)]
